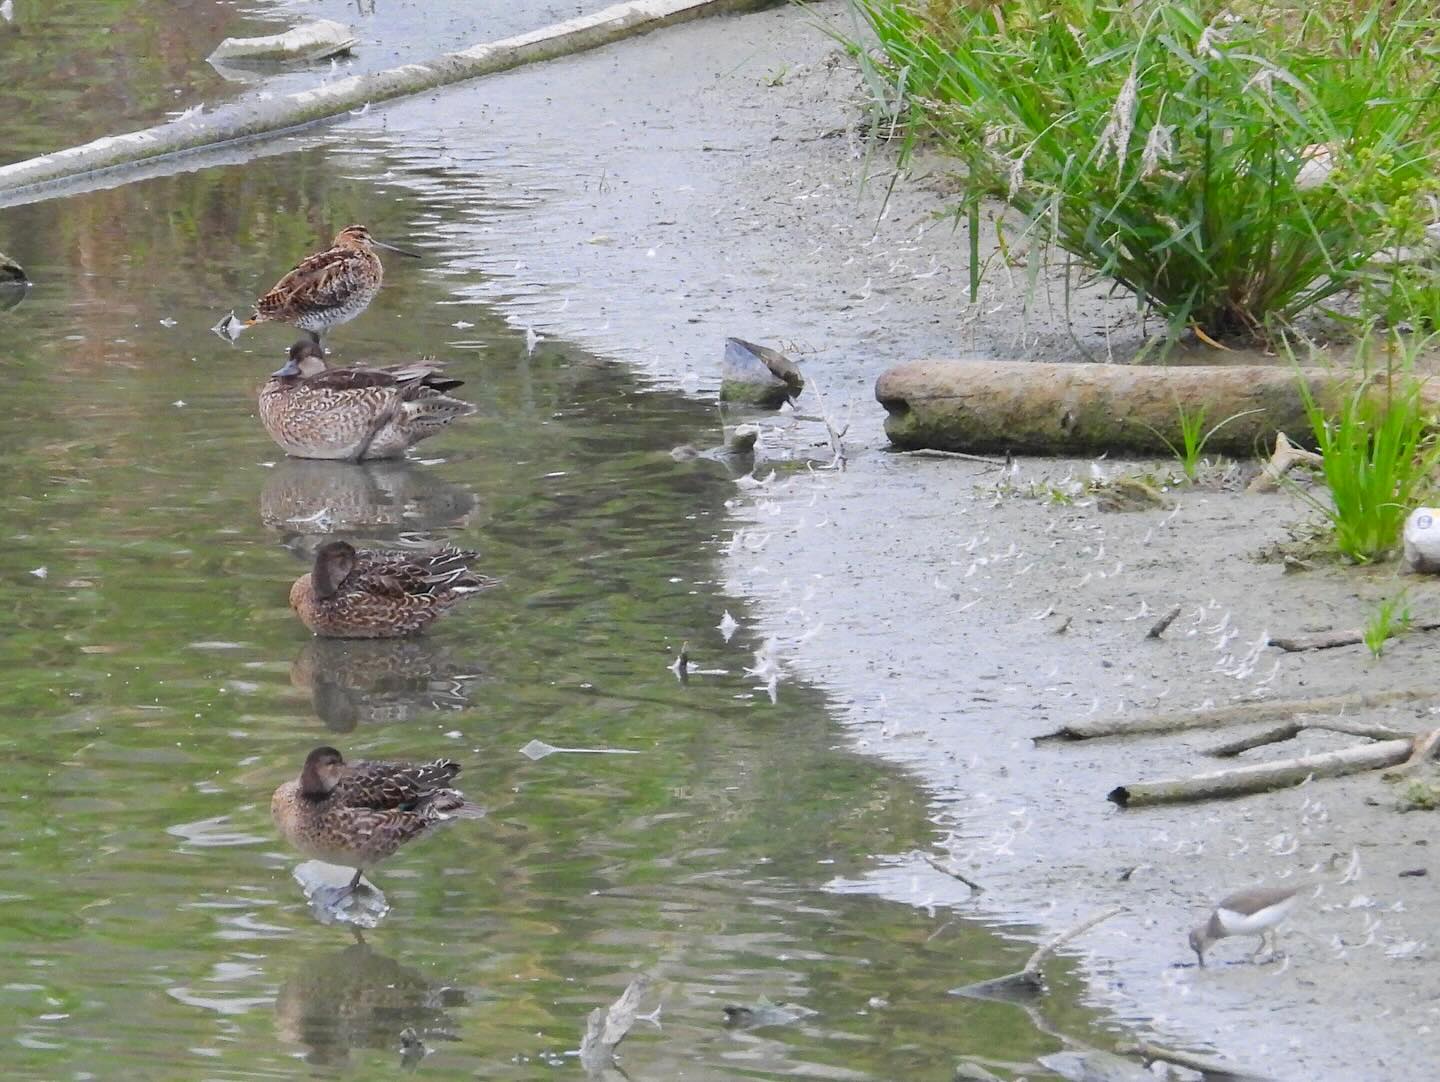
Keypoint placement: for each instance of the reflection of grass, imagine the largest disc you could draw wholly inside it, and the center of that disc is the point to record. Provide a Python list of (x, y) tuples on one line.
[(1390, 618)]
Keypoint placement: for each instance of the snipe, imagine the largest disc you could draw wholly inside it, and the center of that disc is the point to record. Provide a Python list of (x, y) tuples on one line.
[(329, 287)]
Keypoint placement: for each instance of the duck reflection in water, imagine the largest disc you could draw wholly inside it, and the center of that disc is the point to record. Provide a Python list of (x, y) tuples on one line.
[(358, 998), (375, 681), (312, 498)]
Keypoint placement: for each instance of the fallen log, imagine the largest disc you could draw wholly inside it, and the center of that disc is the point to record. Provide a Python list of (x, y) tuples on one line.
[(251, 118), (1239, 714), (1261, 777), (1328, 640), (1080, 409)]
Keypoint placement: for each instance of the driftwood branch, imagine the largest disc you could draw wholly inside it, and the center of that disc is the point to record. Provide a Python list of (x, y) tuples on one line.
[(947, 869), (1326, 640), (1292, 729), (1240, 714), (1263, 776), (1425, 746), (1286, 457), (1206, 1065), (1028, 981)]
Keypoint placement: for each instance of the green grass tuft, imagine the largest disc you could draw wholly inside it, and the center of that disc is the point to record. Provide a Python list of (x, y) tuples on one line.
[(1233, 170)]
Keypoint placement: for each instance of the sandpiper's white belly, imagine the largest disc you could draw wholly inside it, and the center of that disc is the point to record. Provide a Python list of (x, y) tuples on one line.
[(1262, 920)]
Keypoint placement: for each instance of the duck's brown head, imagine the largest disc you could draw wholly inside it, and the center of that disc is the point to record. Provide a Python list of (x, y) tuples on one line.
[(306, 359), (321, 773), (334, 561)]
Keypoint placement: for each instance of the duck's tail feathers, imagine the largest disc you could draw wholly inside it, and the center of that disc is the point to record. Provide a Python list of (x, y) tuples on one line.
[(451, 804)]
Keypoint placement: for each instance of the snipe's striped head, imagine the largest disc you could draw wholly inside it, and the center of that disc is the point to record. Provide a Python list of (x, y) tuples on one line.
[(358, 238)]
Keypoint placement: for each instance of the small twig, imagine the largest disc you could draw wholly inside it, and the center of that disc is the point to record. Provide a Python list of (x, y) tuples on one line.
[(1276, 735), (1028, 983), (1032, 967), (835, 445), (1161, 624), (946, 869), (935, 452)]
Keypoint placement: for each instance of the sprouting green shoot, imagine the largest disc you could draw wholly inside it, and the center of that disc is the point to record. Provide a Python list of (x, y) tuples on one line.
[(1378, 455), (1194, 437), (1390, 618)]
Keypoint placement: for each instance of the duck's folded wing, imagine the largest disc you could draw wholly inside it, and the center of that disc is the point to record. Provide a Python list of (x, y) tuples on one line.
[(382, 785), (422, 376), (351, 379)]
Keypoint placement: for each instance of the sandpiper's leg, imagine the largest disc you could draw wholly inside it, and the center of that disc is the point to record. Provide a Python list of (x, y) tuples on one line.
[(1259, 949)]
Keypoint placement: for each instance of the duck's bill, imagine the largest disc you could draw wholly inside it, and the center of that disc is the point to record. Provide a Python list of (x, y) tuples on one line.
[(392, 248)]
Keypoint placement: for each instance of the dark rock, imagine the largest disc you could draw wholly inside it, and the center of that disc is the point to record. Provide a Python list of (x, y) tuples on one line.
[(758, 375)]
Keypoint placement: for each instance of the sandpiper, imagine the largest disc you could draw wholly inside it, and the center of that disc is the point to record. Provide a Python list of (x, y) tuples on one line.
[(329, 287), (358, 814), (1255, 911), (377, 594)]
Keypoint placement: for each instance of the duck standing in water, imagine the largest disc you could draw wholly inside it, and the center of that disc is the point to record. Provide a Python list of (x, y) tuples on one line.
[(358, 814), (353, 414), (373, 594), (329, 287)]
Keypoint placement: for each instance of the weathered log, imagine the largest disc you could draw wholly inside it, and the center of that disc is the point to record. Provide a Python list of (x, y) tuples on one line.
[(248, 119), (1261, 777), (1079, 409), (1240, 714), (1328, 640)]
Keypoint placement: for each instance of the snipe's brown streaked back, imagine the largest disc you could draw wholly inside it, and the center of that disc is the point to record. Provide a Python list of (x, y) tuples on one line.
[(329, 287), (354, 414)]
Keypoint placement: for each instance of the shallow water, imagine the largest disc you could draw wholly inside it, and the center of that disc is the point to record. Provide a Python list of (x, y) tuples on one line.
[(157, 688)]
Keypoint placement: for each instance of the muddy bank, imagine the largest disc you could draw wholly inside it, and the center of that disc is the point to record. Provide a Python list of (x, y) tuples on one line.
[(720, 194)]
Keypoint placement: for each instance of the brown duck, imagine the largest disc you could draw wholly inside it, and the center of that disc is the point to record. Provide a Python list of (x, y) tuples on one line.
[(359, 413), (358, 814), (373, 594)]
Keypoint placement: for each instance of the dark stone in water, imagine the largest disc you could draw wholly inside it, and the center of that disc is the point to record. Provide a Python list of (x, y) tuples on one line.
[(10, 271), (758, 375)]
